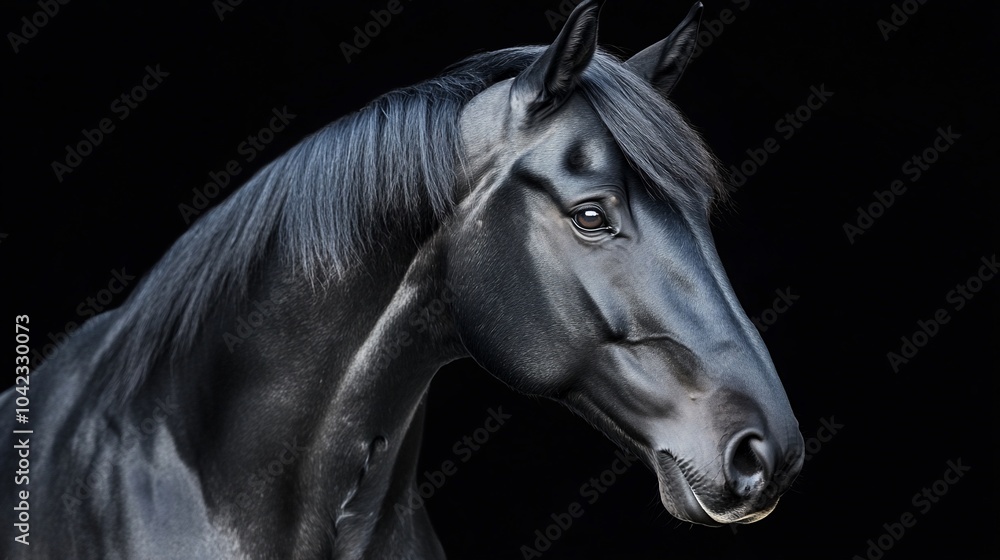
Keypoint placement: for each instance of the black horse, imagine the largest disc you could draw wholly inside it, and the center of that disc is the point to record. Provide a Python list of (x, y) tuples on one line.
[(552, 205)]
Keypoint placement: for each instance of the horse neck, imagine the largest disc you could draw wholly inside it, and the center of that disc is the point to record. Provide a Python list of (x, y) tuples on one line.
[(327, 381)]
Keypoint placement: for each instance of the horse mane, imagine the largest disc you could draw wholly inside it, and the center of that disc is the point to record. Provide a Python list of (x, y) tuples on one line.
[(392, 165)]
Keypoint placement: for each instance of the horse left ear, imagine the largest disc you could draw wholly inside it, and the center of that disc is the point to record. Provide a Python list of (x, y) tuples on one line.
[(662, 63), (544, 85)]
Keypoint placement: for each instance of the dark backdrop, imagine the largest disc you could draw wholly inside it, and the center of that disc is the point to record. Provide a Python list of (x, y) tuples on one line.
[(877, 437)]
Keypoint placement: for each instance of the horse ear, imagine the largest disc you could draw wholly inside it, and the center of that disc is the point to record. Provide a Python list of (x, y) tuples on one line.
[(544, 85), (662, 63)]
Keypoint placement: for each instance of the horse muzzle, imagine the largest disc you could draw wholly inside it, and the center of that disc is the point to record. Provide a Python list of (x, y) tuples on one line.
[(745, 488)]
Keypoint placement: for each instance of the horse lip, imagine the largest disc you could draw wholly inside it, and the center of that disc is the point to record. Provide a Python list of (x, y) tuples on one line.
[(685, 503), (670, 467), (667, 470), (686, 506)]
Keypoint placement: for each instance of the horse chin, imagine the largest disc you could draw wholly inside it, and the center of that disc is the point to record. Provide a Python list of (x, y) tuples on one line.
[(677, 495), (680, 499)]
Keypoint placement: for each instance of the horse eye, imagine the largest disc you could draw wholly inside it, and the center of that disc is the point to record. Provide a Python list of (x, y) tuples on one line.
[(590, 219)]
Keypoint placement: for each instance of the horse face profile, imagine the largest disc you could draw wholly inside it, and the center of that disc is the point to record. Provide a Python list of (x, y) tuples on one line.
[(578, 279)]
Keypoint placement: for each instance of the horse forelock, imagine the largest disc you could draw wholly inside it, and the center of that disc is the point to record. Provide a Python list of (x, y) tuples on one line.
[(653, 135)]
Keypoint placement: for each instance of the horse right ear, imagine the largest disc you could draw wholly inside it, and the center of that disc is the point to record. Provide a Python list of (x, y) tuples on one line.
[(662, 63), (544, 85)]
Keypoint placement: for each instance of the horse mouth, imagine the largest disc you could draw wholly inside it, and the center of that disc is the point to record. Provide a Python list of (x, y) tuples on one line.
[(676, 479), (677, 492)]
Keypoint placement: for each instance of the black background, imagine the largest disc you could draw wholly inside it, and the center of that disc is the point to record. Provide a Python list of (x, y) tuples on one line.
[(119, 208)]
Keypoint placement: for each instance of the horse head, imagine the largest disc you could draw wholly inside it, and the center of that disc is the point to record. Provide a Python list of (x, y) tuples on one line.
[(585, 271)]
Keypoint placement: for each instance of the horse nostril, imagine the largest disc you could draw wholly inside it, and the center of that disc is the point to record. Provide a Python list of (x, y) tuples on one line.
[(748, 465), (745, 459)]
